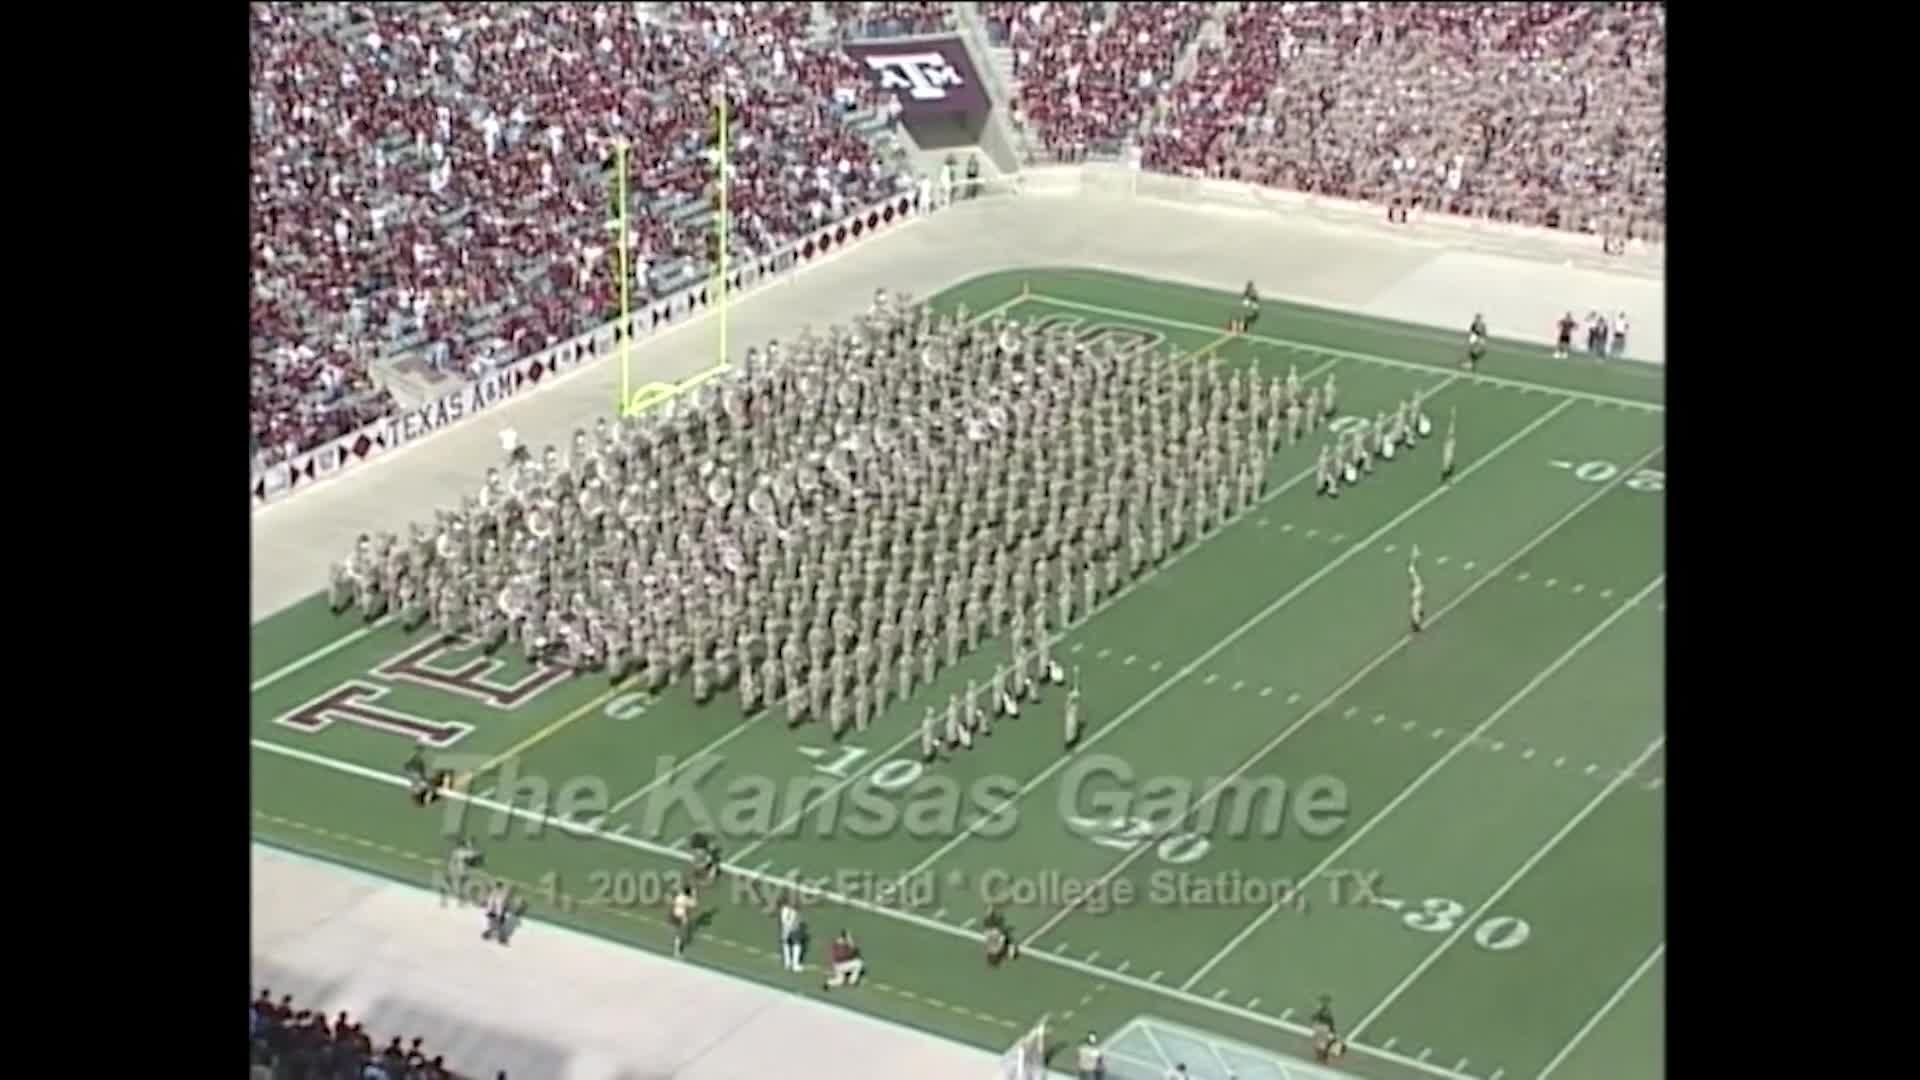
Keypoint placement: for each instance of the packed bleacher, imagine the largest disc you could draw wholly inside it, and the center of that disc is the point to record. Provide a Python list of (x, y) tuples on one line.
[(1090, 72), (434, 180), (1539, 113), (286, 1043)]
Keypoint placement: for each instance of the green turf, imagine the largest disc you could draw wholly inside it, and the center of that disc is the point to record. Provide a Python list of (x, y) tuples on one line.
[(1484, 763)]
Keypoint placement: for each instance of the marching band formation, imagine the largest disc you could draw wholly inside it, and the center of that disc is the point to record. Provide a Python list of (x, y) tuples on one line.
[(829, 526)]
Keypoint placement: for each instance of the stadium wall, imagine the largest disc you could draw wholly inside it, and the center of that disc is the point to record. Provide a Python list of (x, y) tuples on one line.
[(1338, 256)]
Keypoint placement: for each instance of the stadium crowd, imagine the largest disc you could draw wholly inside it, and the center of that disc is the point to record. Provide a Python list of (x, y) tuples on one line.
[(302, 1044), (434, 180), (1537, 113)]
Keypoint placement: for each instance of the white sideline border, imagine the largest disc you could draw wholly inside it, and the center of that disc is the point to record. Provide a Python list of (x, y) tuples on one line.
[(660, 850), (383, 881)]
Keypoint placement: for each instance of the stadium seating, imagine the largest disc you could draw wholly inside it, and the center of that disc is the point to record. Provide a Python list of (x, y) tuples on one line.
[(1541, 114), (300, 1044), (435, 179)]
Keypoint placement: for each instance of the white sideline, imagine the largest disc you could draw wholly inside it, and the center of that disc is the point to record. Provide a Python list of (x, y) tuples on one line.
[(751, 874), (1452, 752), (1506, 887), (1370, 358), (1222, 645)]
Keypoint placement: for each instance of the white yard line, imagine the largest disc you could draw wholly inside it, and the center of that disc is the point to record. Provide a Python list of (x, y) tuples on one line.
[(1221, 646), (1370, 358), (316, 655), (875, 761), (731, 734), (1420, 781), (1109, 975), (1593, 1021), (1506, 887), (1353, 680)]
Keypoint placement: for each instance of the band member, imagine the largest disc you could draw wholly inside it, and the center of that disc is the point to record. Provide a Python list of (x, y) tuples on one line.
[(1089, 1063), (499, 911), (1446, 448), (1476, 342), (792, 935), (680, 915), (1417, 612), (998, 937), (1072, 717), (1249, 308), (706, 858), (463, 859), (1327, 1045)]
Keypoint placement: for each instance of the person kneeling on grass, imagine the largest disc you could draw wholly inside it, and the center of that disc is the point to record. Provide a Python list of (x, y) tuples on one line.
[(998, 937), (844, 966)]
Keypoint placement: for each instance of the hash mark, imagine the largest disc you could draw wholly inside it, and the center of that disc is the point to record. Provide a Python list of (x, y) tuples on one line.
[(1559, 761), (1440, 560), (1388, 549), (1439, 732), (1497, 1074), (1254, 1004), (1425, 1053), (1212, 677), (1092, 956), (1128, 662), (1351, 709), (1293, 698), (1578, 588), (1239, 685), (1663, 607), (1262, 523), (622, 829), (1155, 666), (1103, 654), (762, 868), (1461, 1066), (1379, 718), (1606, 594), (940, 914), (1284, 1015), (1467, 566), (1653, 784), (1155, 977), (1498, 746), (1335, 539), (1286, 526), (487, 794), (1311, 533), (1409, 725), (1124, 965), (1552, 581), (968, 925), (1388, 1045), (1220, 993), (1266, 691), (1527, 753), (1592, 768), (1077, 646)]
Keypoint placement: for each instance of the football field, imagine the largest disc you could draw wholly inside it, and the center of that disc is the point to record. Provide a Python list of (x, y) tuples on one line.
[(1281, 793)]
